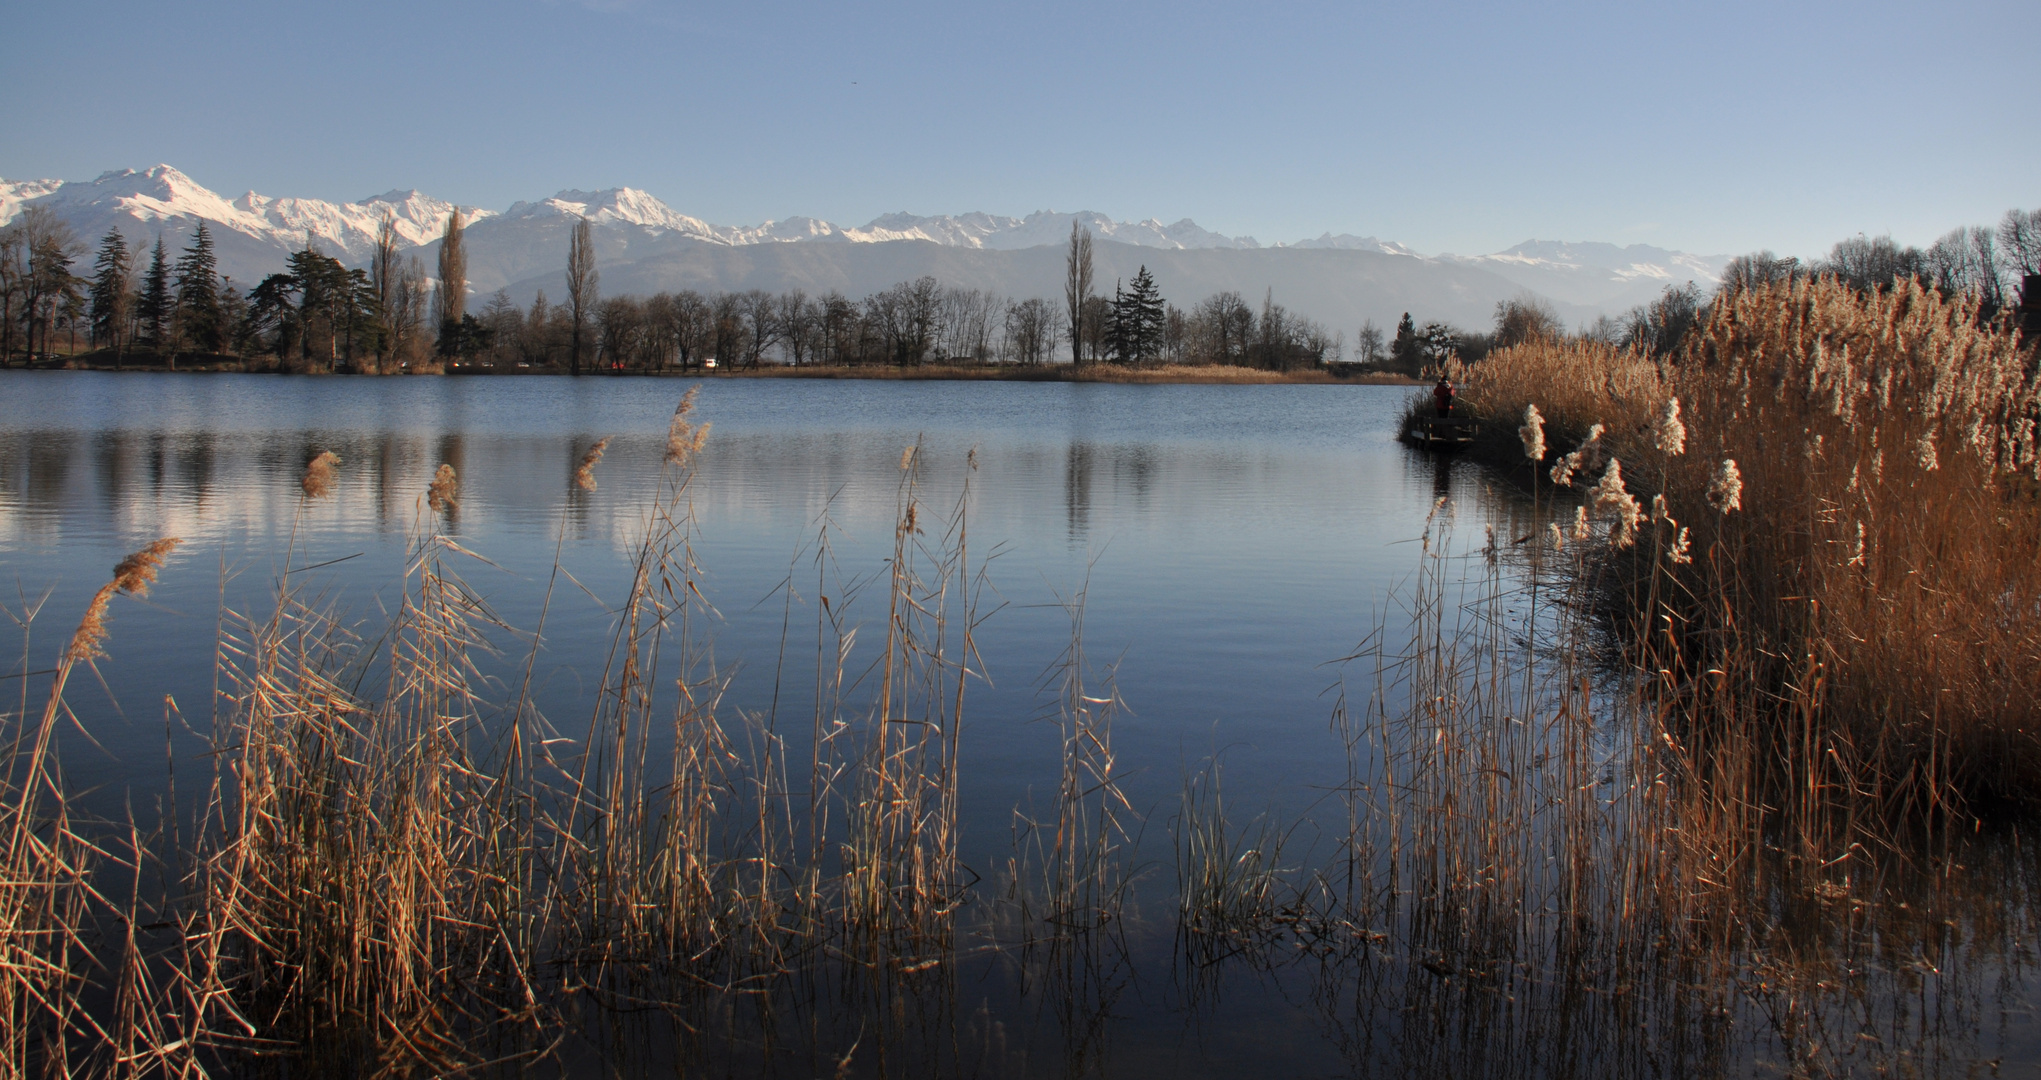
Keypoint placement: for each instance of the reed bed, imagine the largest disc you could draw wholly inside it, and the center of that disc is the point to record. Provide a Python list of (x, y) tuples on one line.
[(1842, 571), (1540, 861), (1528, 873)]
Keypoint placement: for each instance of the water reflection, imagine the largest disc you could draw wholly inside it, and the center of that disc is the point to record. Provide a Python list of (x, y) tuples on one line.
[(1077, 490), (1236, 539)]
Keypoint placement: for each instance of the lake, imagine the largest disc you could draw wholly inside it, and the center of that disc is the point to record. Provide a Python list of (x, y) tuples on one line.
[(1231, 545)]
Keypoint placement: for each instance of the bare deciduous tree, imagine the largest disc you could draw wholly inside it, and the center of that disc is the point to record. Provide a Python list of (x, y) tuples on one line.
[(1524, 320), (1368, 345), (1031, 330), (1077, 290)]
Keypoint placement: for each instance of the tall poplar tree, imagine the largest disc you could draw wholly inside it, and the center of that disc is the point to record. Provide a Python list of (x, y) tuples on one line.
[(386, 282), (582, 284), (451, 301), (1077, 289)]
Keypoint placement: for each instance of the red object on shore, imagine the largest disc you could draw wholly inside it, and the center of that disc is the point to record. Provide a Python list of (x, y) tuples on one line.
[(1442, 396)]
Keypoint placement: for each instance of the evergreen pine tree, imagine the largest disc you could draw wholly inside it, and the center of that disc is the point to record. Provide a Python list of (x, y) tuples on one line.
[(1144, 318), (112, 296), (1405, 352), (153, 306), (326, 305), (198, 295), (234, 323), (1117, 320)]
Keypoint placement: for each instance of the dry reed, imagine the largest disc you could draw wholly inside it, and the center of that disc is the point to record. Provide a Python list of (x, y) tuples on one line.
[(1869, 581), (47, 893), (319, 475)]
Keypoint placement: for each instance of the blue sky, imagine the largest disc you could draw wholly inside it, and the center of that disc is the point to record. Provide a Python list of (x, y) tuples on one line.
[(1460, 127)]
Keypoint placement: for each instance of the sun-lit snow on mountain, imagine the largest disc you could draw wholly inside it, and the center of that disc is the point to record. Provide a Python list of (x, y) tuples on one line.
[(1350, 242), (629, 206), (1632, 263), (163, 195), (1039, 229), (255, 233), (13, 193), (617, 206)]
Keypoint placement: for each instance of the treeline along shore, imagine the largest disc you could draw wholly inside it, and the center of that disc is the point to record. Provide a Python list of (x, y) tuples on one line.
[(172, 311), (161, 310)]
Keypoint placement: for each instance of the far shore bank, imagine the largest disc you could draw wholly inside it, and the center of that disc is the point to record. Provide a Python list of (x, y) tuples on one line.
[(1149, 374)]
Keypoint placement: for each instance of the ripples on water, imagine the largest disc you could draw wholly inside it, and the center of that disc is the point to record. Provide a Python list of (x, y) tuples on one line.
[(1230, 542)]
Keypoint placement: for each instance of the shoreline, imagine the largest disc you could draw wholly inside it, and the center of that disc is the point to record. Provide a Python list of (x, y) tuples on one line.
[(1158, 375)]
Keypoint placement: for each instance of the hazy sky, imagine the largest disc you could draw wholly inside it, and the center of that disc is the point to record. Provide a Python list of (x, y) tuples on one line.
[(1465, 127)]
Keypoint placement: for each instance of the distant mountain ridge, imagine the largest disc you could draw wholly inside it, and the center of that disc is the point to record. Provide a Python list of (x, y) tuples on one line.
[(253, 234)]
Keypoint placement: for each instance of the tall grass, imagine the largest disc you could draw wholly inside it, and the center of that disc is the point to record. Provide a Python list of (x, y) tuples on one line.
[(1531, 872), (1863, 610)]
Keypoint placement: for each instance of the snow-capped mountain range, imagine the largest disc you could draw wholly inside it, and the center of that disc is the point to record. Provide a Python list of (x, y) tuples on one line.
[(254, 233)]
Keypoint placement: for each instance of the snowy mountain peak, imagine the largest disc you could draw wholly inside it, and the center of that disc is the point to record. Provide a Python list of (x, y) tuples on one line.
[(164, 201), (255, 233), (617, 206), (1350, 242), (1630, 263)]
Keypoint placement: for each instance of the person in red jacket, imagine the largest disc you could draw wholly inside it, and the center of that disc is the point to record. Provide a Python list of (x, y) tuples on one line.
[(1442, 396)]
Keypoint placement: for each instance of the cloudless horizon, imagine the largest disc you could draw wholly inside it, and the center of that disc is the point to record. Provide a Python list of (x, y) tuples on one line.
[(1454, 127)]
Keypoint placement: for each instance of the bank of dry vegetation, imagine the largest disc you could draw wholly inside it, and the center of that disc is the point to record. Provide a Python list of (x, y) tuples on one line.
[(1840, 568)]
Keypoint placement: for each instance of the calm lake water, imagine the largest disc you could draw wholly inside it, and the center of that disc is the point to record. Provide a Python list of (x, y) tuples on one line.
[(1232, 543), (1230, 540)]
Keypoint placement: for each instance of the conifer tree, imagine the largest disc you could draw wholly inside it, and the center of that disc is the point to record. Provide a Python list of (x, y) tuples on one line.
[(234, 321), (1404, 351), (1118, 343), (153, 307), (1144, 317), (326, 304), (198, 295), (112, 294)]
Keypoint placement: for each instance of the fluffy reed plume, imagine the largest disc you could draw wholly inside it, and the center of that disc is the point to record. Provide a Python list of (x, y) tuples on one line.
[(1609, 497), (684, 438), (1725, 490), (1533, 434), (1582, 459), (1670, 436), (584, 473), (443, 494), (1681, 552), (133, 575), (319, 475), (1924, 453)]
